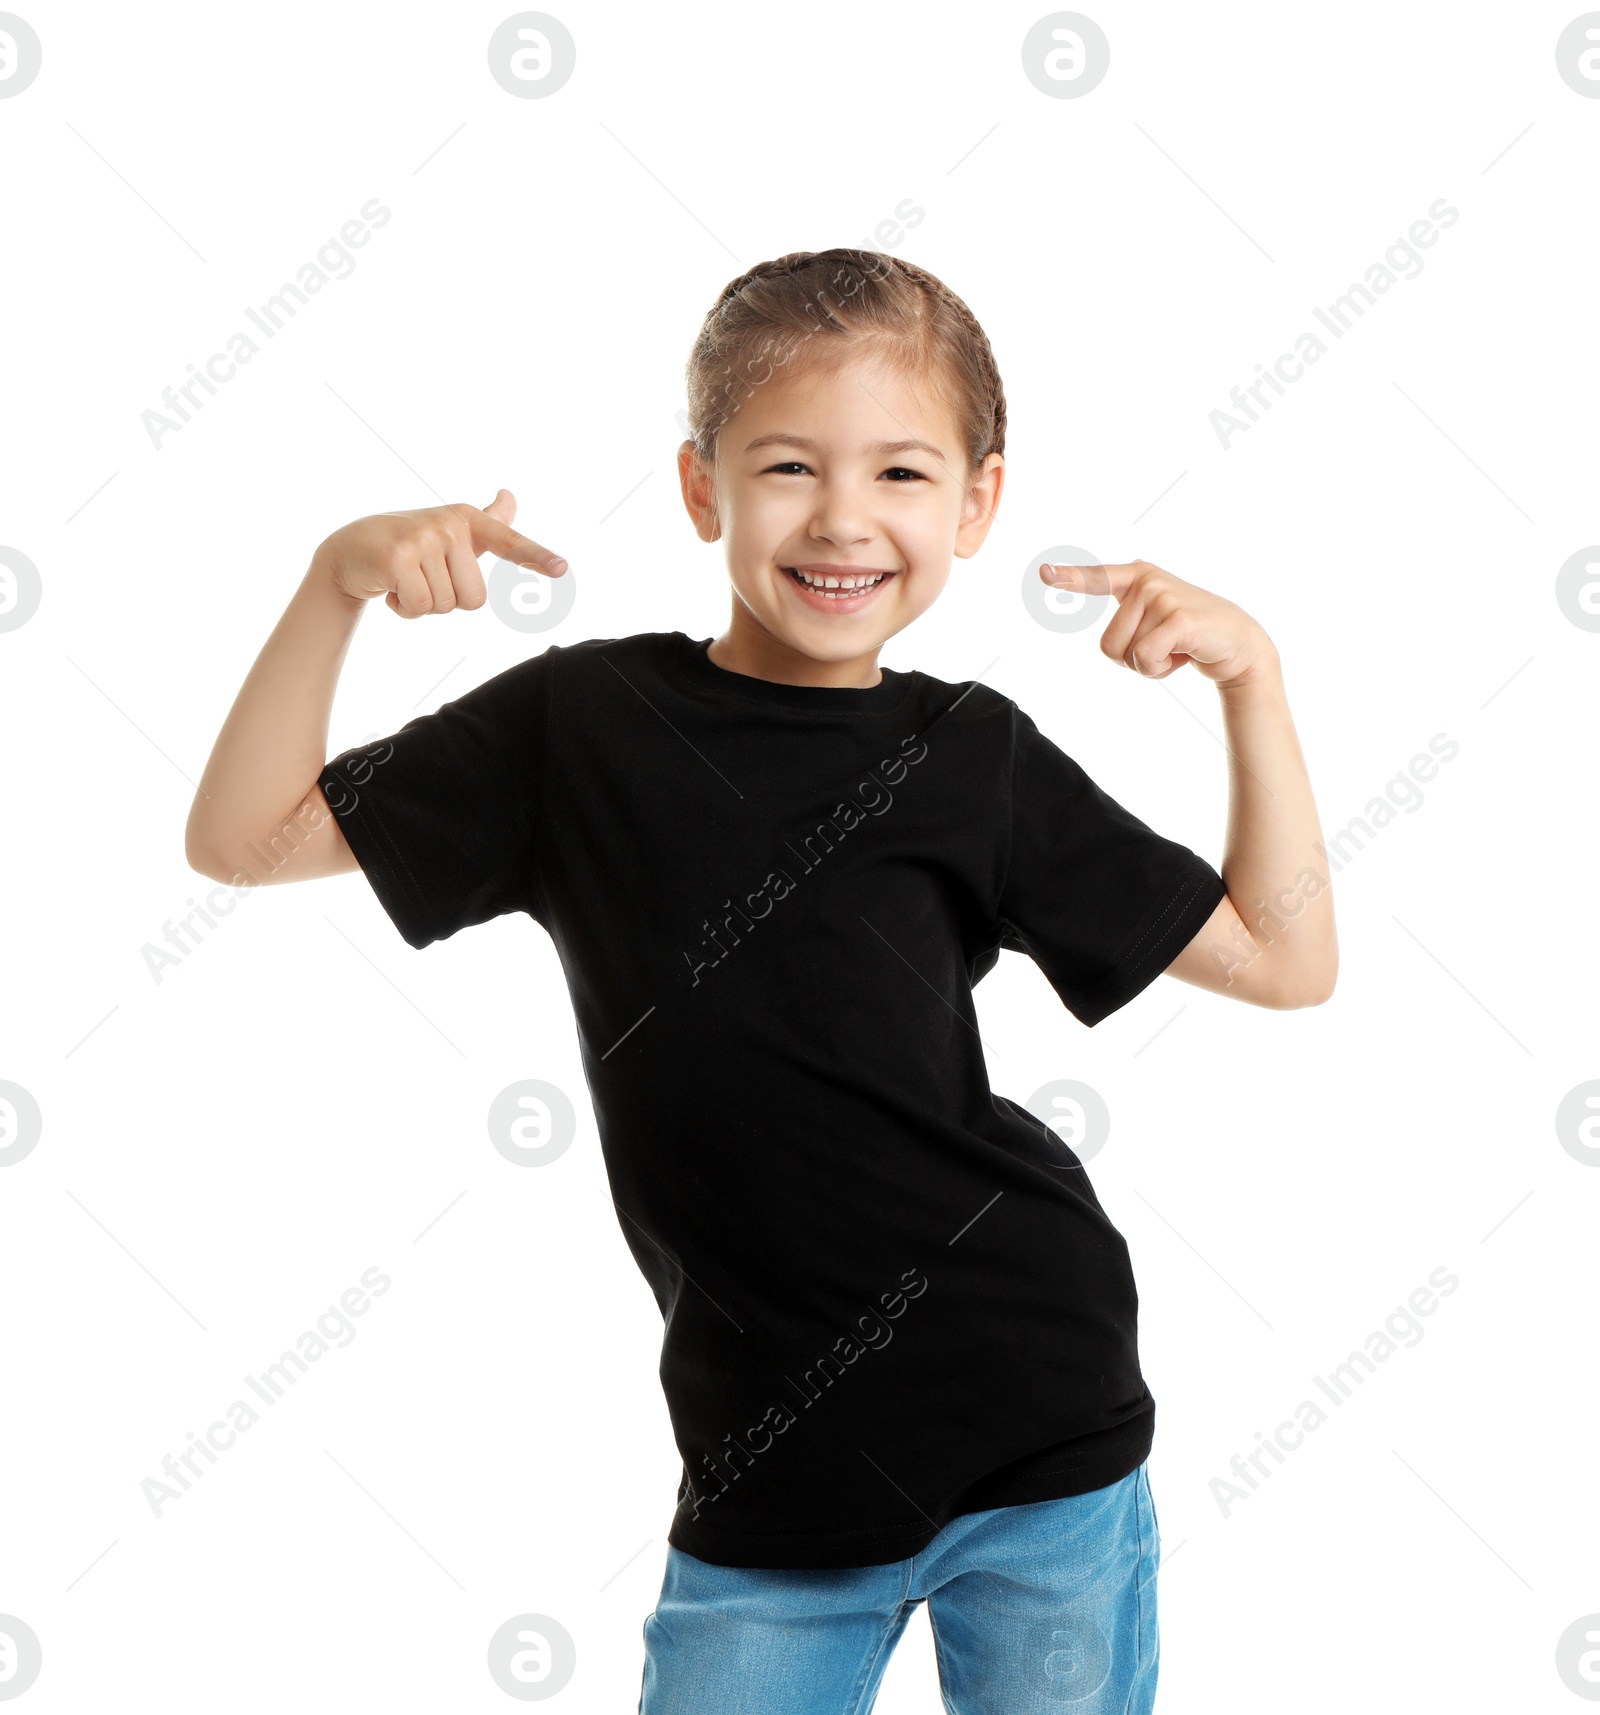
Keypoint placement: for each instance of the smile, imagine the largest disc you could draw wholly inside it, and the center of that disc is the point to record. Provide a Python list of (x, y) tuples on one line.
[(836, 586)]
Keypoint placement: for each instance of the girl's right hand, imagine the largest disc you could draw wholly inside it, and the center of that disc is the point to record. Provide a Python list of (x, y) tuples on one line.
[(427, 561)]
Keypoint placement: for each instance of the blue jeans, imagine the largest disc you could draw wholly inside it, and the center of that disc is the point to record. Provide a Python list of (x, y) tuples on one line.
[(1041, 1607)]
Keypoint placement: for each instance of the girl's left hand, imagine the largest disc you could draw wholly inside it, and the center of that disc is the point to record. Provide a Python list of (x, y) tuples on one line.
[(1162, 623)]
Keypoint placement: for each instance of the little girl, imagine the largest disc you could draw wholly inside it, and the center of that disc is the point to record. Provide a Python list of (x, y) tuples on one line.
[(900, 1351)]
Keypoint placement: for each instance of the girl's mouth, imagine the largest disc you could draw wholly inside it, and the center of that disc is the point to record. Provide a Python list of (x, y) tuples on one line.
[(836, 589)]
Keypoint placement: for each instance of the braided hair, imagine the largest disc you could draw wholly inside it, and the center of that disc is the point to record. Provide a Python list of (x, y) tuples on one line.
[(816, 307)]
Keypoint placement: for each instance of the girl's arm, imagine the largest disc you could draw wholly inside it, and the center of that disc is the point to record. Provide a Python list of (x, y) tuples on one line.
[(259, 815), (1271, 941)]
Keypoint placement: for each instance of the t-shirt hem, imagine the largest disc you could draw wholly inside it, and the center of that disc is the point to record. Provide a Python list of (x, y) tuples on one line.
[(1067, 1468)]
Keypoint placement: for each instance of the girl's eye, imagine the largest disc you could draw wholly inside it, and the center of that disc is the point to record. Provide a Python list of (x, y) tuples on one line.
[(897, 472)]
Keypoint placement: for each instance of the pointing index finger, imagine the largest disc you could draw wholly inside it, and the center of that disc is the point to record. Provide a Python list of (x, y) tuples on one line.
[(1091, 580), (490, 536)]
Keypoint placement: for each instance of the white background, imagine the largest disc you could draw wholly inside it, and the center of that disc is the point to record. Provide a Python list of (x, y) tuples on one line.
[(226, 1150)]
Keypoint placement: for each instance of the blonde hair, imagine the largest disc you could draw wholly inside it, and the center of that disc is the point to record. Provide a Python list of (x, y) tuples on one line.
[(812, 309)]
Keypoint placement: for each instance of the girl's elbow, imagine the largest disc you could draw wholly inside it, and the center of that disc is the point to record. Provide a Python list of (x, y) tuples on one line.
[(203, 861), (1314, 989), (201, 853)]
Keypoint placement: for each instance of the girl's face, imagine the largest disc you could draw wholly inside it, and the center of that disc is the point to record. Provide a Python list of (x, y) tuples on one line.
[(841, 494)]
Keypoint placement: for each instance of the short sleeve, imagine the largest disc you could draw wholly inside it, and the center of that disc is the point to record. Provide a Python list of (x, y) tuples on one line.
[(1099, 900), (443, 815)]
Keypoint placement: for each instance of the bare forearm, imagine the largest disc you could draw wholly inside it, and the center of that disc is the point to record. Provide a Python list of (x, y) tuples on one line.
[(1277, 879), (273, 744)]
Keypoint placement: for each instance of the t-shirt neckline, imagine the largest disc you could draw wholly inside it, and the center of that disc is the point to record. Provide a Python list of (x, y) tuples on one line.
[(700, 671)]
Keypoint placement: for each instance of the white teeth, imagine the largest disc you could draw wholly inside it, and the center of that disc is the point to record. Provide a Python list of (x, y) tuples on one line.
[(834, 586)]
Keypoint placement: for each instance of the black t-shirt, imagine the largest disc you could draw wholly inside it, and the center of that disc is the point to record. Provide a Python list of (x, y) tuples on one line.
[(890, 1296)]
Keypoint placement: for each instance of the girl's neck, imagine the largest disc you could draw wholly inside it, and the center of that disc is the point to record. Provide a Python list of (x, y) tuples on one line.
[(746, 646)]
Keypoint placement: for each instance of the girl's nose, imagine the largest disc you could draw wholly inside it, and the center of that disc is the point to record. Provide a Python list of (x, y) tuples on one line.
[(841, 518)]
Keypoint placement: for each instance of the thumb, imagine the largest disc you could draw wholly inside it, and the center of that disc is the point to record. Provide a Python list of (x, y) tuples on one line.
[(503, 506)]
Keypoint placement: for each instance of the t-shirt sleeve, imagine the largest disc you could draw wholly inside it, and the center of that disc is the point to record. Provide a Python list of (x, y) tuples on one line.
[(443, 816), (1099, 900)]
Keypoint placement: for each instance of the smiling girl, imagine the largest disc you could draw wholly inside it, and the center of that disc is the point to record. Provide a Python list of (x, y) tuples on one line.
[(786, 1142)]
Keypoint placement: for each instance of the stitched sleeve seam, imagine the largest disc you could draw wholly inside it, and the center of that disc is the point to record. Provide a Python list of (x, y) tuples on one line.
[(393, 866)]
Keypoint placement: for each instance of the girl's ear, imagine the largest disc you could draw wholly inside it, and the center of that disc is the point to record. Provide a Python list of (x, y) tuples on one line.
[(699, 493), (979, 507)]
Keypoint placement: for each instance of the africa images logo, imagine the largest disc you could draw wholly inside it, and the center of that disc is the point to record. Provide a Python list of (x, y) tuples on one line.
[(848, 815), (332, 262), (1401, 261), (870, 1331)]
